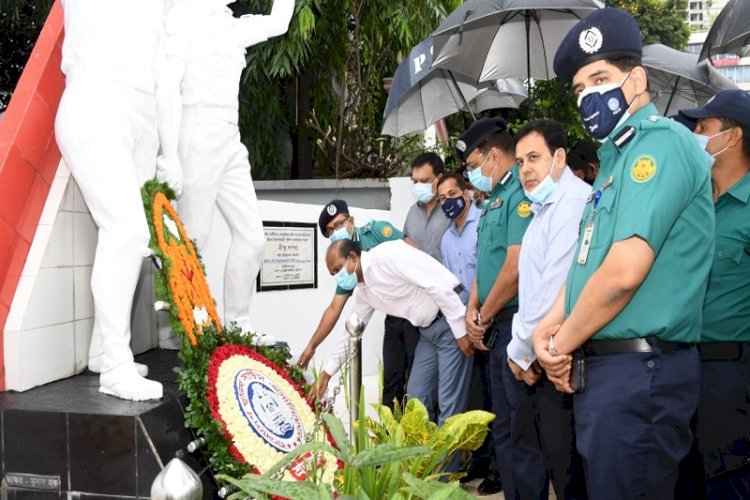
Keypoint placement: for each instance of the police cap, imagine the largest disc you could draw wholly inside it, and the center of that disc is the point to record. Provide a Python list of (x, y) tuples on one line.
[(330, 211), (607, 33), (476, 134), (733, 104)]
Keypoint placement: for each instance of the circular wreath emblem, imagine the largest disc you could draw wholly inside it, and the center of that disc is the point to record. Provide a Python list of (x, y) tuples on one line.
[(187, 283), (263, 412)]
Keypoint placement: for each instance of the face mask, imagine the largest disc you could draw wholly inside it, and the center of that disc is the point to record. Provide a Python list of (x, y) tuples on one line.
[(602, 107), (544, 189), (453, 207), (341, 234), (422, 192), (346, 280), (479, 180)]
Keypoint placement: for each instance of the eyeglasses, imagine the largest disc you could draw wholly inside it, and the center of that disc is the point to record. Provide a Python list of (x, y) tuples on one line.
[(469, 168), (336, 226)]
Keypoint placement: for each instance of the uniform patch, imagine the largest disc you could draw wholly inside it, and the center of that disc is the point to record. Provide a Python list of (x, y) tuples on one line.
[(643, 169), (524, 209), (386, 231)]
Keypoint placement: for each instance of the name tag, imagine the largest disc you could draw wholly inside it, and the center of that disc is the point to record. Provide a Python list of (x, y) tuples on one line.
[(583, 254)]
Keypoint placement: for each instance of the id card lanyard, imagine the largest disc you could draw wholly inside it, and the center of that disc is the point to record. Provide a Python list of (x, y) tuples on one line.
[(588, 231)]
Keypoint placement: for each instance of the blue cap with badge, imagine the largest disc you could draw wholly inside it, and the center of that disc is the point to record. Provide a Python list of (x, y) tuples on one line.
[(733, 104), (608, 33), (330, 211), (476, 134)]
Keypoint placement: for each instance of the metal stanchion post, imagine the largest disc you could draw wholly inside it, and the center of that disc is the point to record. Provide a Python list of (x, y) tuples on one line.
[(355, 327)]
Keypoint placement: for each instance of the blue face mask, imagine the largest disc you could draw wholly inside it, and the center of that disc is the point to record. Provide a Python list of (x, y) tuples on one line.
[(703, 141), (544, 189), (453, 207), (479, 180), (346, 280), (602, 107), (341, 234), (422, 192)]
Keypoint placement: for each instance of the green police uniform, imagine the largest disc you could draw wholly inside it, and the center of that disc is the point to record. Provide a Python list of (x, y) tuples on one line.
[(371, 235), (654, 183), (726, 310), (501, 225)]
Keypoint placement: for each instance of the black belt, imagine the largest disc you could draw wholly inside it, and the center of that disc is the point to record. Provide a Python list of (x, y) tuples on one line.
[(647, 344), (458, 289), (505, 315), (721, 351)]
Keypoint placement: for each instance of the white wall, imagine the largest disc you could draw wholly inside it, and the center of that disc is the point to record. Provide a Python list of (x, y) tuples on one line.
[(293, 315)]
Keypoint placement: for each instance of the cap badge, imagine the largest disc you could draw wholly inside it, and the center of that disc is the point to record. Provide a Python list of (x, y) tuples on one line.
[(461, 146), (590, 40), (331, 209)]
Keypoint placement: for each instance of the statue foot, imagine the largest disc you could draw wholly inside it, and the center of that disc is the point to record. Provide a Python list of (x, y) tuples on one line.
[(95, 366), (124, 382)]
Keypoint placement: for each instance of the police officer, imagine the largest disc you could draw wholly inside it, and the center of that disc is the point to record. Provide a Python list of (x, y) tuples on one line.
[(723, 419), (337, 223), (488, 152), (631, 306)]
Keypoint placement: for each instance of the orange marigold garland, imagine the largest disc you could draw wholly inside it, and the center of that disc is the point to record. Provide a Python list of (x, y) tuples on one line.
[(193, 302)]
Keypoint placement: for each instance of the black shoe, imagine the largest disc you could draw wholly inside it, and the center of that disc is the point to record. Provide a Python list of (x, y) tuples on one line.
[(475, 471), (490, 485)]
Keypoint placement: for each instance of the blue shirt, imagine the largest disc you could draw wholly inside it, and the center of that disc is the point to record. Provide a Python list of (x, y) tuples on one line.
[(458, 249), (547, 252)]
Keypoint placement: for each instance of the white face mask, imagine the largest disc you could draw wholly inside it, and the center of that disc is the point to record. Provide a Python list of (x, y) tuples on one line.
[(544, 189), (703, 141), (422, 192)]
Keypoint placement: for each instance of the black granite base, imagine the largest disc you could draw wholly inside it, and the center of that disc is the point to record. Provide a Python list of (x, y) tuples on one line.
[(66, 440)]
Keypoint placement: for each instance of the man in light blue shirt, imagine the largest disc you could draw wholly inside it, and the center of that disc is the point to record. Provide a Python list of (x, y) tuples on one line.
[(458, 249), (558, 198)]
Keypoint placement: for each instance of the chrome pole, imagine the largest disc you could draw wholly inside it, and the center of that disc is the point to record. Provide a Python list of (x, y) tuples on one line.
[(355, 327)]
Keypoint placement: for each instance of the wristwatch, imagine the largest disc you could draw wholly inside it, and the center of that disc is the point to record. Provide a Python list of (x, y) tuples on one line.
[(551, 346)]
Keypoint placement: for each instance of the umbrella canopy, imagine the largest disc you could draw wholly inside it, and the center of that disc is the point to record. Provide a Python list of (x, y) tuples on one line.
[(678, 80), (420, 95), (730, 32), (487, 40)]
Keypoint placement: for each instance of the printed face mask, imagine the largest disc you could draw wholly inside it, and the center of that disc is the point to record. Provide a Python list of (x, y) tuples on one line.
[(602, 107), (453, 207)]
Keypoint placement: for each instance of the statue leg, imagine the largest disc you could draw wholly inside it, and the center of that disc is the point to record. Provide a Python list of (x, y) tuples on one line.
[(238, 204), (99, 130)]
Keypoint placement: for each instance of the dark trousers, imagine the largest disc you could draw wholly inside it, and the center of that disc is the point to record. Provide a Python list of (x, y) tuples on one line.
[(718, 465), (564, 464), (632, 422), (480, 398), (515, 429), (399, 343)]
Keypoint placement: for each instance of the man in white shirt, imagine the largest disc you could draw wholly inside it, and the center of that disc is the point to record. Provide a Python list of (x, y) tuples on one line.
[(400, 280), (106, 130), (558, 198), (198, 113)]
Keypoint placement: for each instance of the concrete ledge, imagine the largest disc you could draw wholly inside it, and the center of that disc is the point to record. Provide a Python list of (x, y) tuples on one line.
[(363, 193)]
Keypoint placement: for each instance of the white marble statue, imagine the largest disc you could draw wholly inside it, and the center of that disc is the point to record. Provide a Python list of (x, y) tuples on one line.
[(197, 94), (106, 131)]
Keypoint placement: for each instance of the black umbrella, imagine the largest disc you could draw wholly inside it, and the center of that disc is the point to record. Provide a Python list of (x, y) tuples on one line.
[(730, 32), (491, 39), (677, 80), (421, 95)]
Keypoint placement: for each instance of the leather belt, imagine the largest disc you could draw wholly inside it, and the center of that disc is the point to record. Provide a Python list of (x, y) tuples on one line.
[(647, 344), (505, 314), (721, 351), (457, 289)]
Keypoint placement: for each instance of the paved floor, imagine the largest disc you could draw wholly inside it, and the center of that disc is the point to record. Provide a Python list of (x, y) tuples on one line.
[(472, 488)]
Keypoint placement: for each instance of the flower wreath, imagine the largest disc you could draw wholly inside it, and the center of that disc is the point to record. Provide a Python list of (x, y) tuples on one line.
[(263, 412), (181, 284)]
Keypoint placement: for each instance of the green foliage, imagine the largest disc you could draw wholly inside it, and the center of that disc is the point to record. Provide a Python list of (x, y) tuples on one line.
[(20, 24), (398, 458), (340, 50), (661, 21)]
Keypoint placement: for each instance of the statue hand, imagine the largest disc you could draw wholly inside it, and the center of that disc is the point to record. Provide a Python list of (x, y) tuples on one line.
[(169, 170)]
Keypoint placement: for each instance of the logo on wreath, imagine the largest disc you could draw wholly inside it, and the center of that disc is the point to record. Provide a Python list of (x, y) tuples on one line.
[(268, 410)]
